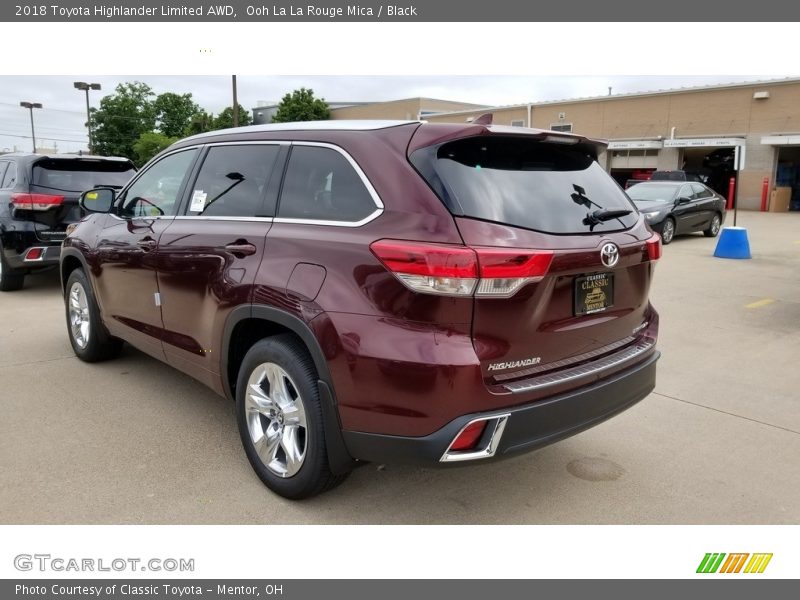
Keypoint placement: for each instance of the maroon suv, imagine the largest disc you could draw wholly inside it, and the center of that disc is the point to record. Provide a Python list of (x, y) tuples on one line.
[(376, 291)]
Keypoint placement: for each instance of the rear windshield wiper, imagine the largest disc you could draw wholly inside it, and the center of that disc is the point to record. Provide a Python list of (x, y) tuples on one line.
[(605, 214)]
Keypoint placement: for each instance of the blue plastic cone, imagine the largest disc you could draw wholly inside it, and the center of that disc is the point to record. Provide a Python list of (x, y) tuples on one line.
[(733, 243)]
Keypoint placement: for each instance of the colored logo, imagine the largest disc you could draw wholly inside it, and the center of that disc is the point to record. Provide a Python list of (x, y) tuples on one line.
[(719, 562)]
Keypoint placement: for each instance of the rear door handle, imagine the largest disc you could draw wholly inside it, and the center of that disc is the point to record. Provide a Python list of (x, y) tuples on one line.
[(147, 244), (241, 248)]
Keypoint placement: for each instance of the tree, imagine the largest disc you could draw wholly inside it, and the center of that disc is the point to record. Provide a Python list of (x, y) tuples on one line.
[(301, 105), (200, 122), (174, 113), (149, 144), (122, 118), (224, 120)]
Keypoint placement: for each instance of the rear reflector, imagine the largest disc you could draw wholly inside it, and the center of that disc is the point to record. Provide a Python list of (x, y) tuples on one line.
[(36, 201), (654, 247), (469, 437), (461, 270), (34, 254)]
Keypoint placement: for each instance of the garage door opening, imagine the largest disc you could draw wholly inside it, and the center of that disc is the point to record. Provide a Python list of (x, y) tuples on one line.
[(787, 177), (713, 166), (631, 166)]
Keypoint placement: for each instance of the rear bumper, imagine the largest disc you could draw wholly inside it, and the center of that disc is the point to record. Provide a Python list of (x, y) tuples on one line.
[(526, 428), (15, 246)]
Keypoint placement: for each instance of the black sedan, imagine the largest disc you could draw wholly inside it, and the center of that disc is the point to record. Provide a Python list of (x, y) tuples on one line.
[(676, 207)]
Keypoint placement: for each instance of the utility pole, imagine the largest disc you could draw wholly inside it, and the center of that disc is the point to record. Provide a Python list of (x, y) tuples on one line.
[(235, 103)]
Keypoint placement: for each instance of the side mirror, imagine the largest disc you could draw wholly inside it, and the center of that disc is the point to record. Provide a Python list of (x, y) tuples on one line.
[(682, 200), (98, 200)]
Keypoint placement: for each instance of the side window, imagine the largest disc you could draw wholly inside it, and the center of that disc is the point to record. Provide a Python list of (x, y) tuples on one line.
[(233, 180), (10, 178), (155, 192), (321, 184), (686, 192), (3, 166), (700, 191)]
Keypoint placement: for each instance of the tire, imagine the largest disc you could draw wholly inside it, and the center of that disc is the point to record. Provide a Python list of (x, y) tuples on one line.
[(280, 421), (668, 231), (714, 227), (11, 280), (87, 334)]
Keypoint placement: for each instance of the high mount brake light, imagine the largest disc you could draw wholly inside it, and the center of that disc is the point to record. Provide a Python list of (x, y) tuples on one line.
[(460, 270)]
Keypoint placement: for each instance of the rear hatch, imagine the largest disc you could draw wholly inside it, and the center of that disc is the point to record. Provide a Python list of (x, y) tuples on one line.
[(565, 258), (56, 185)]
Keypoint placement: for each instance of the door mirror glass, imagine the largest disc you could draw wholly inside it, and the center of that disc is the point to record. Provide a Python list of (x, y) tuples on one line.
[(98, 200)]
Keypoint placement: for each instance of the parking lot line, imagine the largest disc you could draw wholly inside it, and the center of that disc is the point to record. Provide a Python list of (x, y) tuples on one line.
[(760, 303)]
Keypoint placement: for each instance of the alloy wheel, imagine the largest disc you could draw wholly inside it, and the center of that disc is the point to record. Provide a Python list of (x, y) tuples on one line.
[(276, 419), (667, 232), (79, 324)]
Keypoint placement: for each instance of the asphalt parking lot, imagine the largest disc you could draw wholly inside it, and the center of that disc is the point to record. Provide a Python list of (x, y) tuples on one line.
[(133, 441)]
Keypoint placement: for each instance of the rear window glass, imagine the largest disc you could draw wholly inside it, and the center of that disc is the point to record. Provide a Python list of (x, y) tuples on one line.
[(80, 175), (652, 191), (668, 176), (542, 186)]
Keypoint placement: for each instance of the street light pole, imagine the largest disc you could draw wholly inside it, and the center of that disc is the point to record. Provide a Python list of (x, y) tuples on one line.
[(30, 106), (83, 86)]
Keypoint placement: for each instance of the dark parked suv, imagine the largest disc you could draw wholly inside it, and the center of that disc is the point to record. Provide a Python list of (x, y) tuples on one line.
[(38, 199), (376, 291)]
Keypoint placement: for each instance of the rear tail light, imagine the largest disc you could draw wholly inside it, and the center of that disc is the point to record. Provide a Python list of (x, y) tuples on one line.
[(654, 247), (460, 270), (503, 271), (430, 268), (36, 201)]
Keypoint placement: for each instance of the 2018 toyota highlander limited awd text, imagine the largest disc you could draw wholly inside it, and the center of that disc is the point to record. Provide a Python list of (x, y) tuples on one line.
[(376, 291)]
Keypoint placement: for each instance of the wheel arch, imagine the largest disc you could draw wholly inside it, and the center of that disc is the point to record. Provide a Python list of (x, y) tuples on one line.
[(71, 259), (248, 324)]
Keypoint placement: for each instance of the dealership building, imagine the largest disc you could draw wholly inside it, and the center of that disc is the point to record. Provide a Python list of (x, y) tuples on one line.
[(696, 129)]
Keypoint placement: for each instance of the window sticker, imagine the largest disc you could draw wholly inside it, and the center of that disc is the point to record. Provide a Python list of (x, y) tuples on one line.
[(198, 201)]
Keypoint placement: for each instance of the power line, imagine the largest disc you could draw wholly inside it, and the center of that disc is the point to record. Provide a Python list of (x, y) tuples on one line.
[(77, 112), (46, 137)]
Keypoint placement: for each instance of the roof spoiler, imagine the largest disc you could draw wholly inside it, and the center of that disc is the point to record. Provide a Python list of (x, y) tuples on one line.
[(484, 119)]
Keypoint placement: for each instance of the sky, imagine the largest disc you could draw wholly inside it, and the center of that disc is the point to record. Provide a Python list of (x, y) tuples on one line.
[(60, 124)]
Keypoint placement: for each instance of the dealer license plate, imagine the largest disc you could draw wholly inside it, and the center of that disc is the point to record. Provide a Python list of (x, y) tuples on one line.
[(594, 293)]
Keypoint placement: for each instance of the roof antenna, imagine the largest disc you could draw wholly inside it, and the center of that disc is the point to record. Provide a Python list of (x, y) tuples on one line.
[(484, 119), (609, 90)]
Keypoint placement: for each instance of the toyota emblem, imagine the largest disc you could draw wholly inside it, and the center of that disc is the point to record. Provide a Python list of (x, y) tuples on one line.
[(609, 254)]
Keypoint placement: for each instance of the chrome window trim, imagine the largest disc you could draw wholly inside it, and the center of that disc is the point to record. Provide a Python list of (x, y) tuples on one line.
[(379, 206), (371, 217), (222, 218)]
